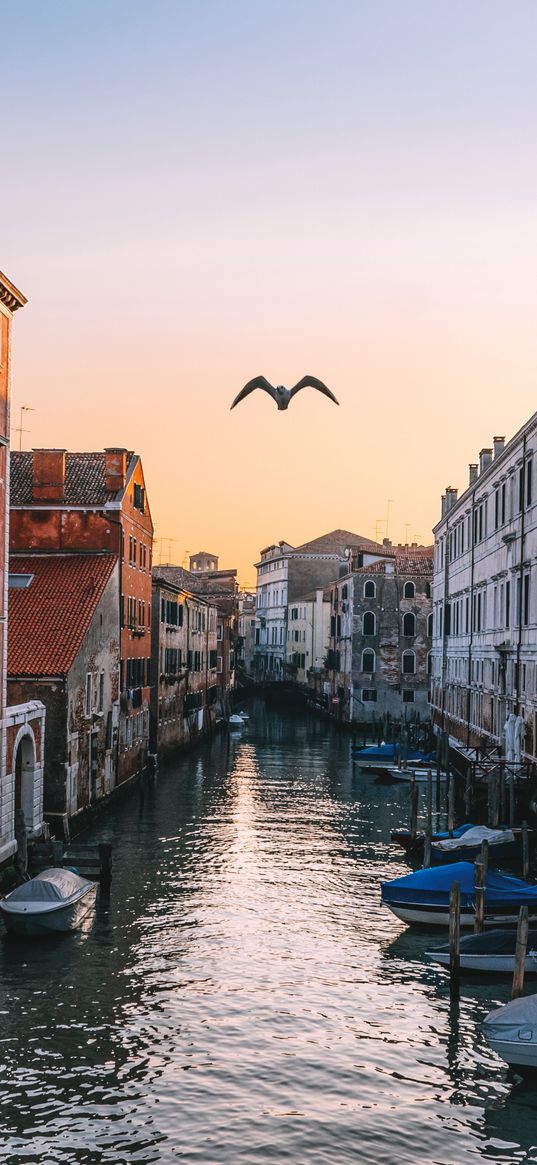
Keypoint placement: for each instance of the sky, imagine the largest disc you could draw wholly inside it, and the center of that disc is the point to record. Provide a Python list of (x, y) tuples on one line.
[(198, 192)]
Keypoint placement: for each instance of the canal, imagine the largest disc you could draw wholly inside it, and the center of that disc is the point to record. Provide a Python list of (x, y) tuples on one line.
[(243, 997)]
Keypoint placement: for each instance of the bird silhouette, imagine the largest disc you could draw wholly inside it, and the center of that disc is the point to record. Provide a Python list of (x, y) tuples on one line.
[(279, 393)]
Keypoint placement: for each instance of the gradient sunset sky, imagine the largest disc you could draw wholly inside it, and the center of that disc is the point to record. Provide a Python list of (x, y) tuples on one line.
[(194, 193)]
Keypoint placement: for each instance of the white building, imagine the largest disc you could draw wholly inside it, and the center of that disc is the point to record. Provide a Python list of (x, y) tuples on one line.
[(485, 597), (308, 635)]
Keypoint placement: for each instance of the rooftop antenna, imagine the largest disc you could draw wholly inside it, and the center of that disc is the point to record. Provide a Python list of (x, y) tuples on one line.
[(20, 430), (407, 528), (388, 504), (186, 559), (379, 522)]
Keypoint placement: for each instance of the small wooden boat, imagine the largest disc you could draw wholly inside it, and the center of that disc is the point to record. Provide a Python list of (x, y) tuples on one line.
[(493, 951), (413, 772), (501, 842), (53, 902), (512, 1032), (235, 721), (382, 756), (423, 897), (414, 846)]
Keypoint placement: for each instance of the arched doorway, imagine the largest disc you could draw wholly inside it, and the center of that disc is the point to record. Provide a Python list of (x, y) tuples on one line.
[(24, 777)]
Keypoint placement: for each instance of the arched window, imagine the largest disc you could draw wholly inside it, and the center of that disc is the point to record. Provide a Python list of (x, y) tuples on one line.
[(368, 661), (409, 623), (368, 623), (430, 625), (409, 663), (409, 590), (427, 590), (370, 589), (430, 664)]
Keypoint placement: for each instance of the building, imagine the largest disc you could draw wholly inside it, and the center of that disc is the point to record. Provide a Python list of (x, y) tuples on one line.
[(64, 651), (219, 589), (485, 598), (245, 652), (286, 572), (22, 728), (184, 698), (308, 636), (380, 637), (95, 503)]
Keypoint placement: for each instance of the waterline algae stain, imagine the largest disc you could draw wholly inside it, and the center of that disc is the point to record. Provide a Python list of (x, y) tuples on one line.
[(244, 996)]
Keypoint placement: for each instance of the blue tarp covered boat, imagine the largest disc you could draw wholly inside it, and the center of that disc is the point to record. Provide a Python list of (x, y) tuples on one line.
[(382, 756), (423, 897)]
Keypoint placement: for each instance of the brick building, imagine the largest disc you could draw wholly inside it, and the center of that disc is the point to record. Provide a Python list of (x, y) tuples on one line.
[(22, 727), (91, 503), (64, 650)]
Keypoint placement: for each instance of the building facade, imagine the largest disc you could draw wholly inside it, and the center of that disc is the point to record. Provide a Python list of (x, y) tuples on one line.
[(485, 598), (380, 638), (95, 503), (185, 680), (308, 636), (284, 573), (64, 651)]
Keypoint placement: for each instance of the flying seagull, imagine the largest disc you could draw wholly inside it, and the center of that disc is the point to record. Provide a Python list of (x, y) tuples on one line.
[(280, 394)]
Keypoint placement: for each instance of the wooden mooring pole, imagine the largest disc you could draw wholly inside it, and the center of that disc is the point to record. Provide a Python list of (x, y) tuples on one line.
[(429, 821), (454, 939), (520, 953), (525, 850), (479, 883), (414, 799), (451, 804)]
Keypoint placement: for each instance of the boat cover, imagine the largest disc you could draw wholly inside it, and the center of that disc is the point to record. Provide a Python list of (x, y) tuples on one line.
[(475, 836), (433, 887), (516, 1020), (491, 942), (52, 885), (386, 752)]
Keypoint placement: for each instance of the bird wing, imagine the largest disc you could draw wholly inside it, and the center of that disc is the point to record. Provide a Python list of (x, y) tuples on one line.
[(257, 382), (312, 382)]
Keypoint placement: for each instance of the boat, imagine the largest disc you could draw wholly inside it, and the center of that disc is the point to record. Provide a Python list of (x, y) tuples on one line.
[(53, 902), (414, 846), (412, 772), (244, 716), (382, 756), (511, 1031), (423, 897), (492, 951), (235, 721), (501, 842)]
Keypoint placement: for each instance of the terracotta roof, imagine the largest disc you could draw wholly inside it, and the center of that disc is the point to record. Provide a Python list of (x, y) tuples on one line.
[(84, 479), (336, 542), (408, 564), (48, 619)]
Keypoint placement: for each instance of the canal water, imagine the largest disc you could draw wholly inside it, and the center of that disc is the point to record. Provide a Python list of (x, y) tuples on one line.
[(243, 997)]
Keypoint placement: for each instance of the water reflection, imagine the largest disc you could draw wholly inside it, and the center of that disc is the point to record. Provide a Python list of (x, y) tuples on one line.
[(243, 995)]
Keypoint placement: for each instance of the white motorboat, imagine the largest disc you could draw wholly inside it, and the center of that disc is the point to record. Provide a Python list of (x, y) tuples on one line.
[(53, 902), (492, 951), (235, 721), (512, 1032), (244, 716), (413, 772)]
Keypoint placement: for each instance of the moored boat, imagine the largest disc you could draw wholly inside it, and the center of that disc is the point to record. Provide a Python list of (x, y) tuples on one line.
[(414, 846), (53, 902), (512, 1032), (412, 772), (236, 721), (423, 897), (382, 756), (501, 842), (490, 952)]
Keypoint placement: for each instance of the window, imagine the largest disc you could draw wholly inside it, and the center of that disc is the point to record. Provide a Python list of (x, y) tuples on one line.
[(430, 625), (409, 663), (409, 624), (138, 498), (408, 696), (526, 601), (368, 623), (368, 661), (409, 590), (370, 590), (89, 685), (101, 691), (529, 481), (369, 695)]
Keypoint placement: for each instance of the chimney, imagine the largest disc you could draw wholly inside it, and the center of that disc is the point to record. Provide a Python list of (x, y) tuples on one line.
[(48, 475), (485, 459), (115, 469), (472, 473), (451, 497), (443, 506), (499, 446)]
